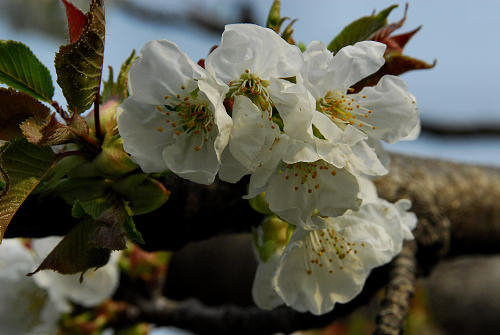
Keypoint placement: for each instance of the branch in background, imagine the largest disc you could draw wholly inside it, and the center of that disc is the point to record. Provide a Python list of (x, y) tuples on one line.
[(396, 303), (457, 206), (468, 130), (194, 17), (443, 193)]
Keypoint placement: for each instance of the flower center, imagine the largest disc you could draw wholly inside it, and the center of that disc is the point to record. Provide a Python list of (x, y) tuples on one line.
[(304, 174), (190, 116), (323, 245), (253, 88), (343, 109)]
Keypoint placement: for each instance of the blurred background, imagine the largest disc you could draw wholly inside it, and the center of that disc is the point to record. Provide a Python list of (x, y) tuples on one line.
[(458, 98)]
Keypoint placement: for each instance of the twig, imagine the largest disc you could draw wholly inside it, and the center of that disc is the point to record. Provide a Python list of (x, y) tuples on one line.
[(97, 122), (60, 110), (395, 305)]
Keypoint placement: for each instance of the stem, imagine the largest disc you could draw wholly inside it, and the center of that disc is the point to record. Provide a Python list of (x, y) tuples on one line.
[(97, 122), (60, 110)]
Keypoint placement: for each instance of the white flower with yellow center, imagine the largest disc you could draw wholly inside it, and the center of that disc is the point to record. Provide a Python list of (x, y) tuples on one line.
[(174, 118), (298, 191), (322, 267), (253, 61), (385, 112)]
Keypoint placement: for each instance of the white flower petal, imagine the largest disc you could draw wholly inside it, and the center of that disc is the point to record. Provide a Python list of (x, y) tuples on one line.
[(317, 62), (295, 106), (144, 134), (394, 111), (254, 48), (193, 159), (231, 170), (263, 293), (297, 191), (253, 135), (355, 62), (363, 159), (215, 92), (161, 70)]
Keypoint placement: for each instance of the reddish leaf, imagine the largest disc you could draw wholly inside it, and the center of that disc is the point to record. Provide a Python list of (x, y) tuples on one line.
[(398, 42), (76, 21), (394, 43), (15, 107), (43, 131), (395, 64)]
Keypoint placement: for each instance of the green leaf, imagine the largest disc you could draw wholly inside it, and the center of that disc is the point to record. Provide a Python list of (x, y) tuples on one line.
[(121, 81), (20, 69), (54, 176), (93, 208), (79, 65), (76, 252), (144, 194), (132, 233), (360, 30), (82, 189), (15, 107), (22, 166), (109, 231), (273, 18)]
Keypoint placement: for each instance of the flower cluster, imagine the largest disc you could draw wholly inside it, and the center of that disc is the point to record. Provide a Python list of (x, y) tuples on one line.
[(290, 120), (40, 300)]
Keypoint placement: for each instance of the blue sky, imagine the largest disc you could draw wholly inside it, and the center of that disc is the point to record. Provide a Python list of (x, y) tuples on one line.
[(461, 88)]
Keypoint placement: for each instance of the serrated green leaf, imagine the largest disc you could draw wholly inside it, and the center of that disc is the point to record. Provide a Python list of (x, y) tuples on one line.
[(118, 90), (20, 69), (76, 252), (109, 86), (22, 165), (144, 194), (132, 233), (16, 107), (93, 208), (79, 65), (360, 30), (121, 81)]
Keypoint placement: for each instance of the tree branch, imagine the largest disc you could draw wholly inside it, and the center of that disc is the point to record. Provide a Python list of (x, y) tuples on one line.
[(396, 303), (457, 206)]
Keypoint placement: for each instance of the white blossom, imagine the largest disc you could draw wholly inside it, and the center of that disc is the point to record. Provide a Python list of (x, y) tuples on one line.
[(174, 118), (322, 267)]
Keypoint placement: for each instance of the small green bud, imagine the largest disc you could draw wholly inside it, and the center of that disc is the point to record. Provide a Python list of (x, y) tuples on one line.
[(272, 236), (113, 161)]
